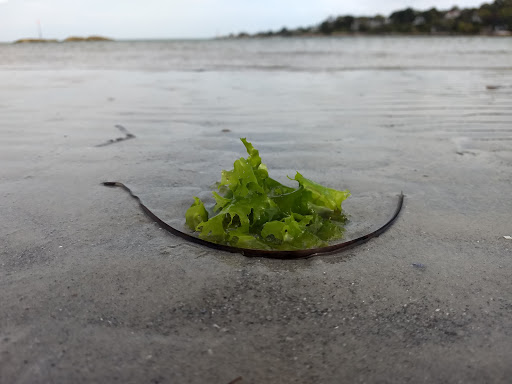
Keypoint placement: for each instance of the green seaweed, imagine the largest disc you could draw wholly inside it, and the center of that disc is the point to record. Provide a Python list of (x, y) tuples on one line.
[(254, 211)]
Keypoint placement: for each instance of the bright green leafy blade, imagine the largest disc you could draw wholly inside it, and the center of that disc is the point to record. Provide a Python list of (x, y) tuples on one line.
[(221, 202), (196, 214), (323, 196), (256, 211)]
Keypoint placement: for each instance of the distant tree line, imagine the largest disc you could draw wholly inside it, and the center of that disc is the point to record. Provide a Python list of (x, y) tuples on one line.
[(494, 18)]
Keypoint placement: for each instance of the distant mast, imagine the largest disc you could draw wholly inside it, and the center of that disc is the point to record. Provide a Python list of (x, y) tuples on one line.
[(39, 29)]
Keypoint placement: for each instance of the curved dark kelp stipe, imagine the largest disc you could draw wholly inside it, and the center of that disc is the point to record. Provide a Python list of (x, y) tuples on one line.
[(295, 254)]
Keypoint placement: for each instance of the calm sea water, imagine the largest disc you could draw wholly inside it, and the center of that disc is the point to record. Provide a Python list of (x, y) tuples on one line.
[(374, 95), (374, 115), (296, 54)]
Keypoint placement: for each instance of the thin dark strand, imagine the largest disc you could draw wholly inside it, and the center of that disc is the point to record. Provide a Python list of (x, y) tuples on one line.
[(298, 254), (127, 136)]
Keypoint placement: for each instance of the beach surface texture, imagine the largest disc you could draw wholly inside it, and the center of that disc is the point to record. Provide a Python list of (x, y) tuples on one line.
[(93, 291)]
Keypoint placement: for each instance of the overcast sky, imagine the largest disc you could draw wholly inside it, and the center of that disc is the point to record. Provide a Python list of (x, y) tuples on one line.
[(124, 19)]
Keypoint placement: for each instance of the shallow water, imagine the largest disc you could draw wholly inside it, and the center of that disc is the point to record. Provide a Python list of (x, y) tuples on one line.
[(296, 54), (335, 106)]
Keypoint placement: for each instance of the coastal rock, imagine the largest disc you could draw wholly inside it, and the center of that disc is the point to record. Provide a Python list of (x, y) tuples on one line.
[(67, 40), (89, 38), (28, 40)]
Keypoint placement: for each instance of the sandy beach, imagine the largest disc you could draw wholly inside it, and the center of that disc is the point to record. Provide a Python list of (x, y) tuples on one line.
[(92, 291)]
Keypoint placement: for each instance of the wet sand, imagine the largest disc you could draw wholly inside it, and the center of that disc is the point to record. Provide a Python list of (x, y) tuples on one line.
[(93, 291)]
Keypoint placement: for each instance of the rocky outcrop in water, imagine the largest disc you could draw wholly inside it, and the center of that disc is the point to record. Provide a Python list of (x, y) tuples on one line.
[(70, 39)]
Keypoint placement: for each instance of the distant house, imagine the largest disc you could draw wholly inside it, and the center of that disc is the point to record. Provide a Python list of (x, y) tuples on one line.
[(452, 13), (475, 18), (501, 30), (419, 20), (376, 23)]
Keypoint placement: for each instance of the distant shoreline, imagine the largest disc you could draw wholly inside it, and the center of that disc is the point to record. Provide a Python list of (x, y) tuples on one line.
[(70, 39), (360, 34), (258, 37), (490, 19)]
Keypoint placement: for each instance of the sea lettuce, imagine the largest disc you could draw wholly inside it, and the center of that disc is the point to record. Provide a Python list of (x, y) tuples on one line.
[(253, 210), (196, 214)]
